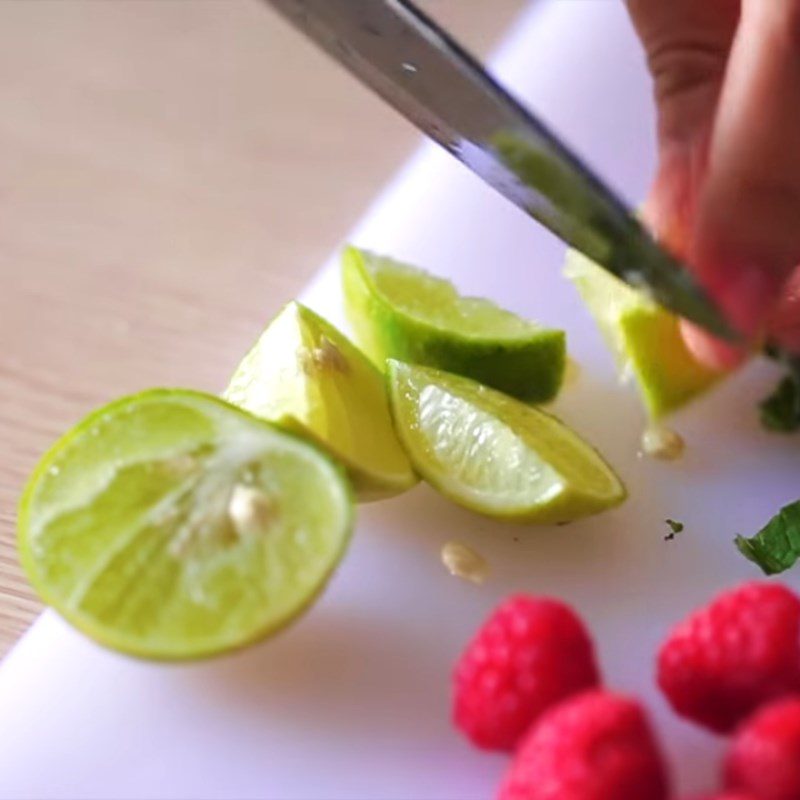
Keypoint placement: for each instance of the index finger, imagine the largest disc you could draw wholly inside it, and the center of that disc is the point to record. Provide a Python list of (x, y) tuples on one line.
[(746, 236)]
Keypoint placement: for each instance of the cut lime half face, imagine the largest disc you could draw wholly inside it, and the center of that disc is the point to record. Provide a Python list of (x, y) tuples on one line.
[(645, 339), (171, 525), (398, 311), (495, 455), (304, 375)]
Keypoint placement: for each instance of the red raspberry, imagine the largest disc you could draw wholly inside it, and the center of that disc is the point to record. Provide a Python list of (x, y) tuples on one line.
[(725, 660), (532, 652), (595, 746), (764, 758), (727, 796)]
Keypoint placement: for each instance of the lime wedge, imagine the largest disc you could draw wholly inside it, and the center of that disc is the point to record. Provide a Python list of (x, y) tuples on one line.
[(495, 455), (171, 525), (645, 339), (304, 375), (401, 312)]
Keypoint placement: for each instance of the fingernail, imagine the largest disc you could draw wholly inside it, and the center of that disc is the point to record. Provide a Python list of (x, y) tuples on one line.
[(744, 287), (784, 321), (710, 351), (747, 294)]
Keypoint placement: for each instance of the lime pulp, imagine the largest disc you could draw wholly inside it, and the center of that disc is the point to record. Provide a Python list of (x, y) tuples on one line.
[(495, 455), (398, 311), (171, 525)]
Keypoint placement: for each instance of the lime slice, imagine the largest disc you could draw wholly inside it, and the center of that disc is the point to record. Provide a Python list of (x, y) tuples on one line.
[(495, 455), (401, 312), (645, 339), (171, 525), (306, 376)]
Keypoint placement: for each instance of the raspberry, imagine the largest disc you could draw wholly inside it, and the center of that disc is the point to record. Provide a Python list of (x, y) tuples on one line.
[(532, 652), (725, 660), (764, 758), (727, 796), (594, 746)]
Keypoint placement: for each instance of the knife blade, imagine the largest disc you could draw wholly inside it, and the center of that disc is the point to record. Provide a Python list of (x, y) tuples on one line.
[(420, 70)]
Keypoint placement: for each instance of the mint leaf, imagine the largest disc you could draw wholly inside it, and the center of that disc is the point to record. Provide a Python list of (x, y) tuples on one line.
[(776, 547), (675, 527), (781, 410)]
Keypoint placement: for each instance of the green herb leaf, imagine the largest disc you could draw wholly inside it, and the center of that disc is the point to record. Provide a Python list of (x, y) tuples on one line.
[(781, 410), (776, 547), (675, 527)]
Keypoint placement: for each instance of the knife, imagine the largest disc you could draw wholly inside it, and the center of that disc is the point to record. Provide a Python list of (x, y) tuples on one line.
[(418, 68)]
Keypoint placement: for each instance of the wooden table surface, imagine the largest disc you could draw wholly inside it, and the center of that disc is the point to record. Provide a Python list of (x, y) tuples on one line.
[(171, 173)]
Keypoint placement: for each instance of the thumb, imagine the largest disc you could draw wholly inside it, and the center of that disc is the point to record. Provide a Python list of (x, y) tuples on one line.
[(746, 235)]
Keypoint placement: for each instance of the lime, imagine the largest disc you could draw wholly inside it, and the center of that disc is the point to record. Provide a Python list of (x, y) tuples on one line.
[(495, 455), (305, 375), (401, 312), (171, 525), (645, 339)]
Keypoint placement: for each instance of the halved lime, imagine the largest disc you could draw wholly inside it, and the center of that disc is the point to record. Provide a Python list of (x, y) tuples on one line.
[(401, 312), (305, 375), (645, 339), (495, 455), (171, 525)]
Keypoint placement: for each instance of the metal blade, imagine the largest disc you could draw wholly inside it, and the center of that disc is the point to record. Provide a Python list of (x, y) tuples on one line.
[(418, 69)]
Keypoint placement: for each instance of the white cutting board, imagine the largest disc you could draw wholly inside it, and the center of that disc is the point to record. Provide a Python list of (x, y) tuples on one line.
[(353, 701)]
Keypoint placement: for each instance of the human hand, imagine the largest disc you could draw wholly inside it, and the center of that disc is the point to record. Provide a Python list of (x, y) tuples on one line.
[(726, 195)]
